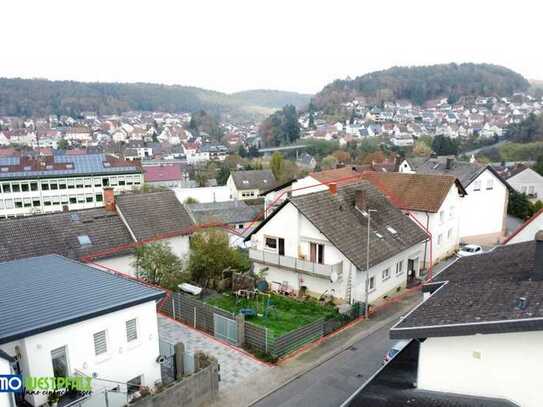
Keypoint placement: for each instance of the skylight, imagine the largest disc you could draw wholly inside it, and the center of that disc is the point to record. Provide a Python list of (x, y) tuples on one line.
[(379, 235), (392, 230), (84, 240)]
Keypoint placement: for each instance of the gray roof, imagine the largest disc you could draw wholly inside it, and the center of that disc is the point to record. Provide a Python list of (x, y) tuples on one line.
[(229, 212), (253, 179), (346, 227), (152, 214), (57, 233), (56, 291), (465, 171), (88, 164), (477, 295)]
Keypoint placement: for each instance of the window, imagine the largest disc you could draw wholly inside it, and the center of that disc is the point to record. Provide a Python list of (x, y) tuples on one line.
[(489, 184), (36, 202), (9, 203), (399, 267), (71, 184), (523, 189), (386, 274), (240, 226), (33, 186), (16, 188), (6, 187), (371, 284), (122, 182), (449, 234), (439, 239), (59, 361), (531, 190), (88, 198), (62, 184), (131, 330), (100, 344), (97, 182), (477, 185), (105, 182), (99, 198), (73, 200), (442, 217), (316, 253), (27, 203), (271, 243), (18, 203), (88, 183), (25, 187), (79, 183), (54, 185), (84, 240)]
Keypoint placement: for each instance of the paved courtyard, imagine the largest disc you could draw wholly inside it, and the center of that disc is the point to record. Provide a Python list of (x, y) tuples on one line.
[(235, 365)]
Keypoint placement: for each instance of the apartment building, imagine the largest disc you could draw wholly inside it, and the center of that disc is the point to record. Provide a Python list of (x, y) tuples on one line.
[(34, 185)]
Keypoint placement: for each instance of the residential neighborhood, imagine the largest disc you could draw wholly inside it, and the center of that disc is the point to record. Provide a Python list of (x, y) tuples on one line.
[(271, 204)]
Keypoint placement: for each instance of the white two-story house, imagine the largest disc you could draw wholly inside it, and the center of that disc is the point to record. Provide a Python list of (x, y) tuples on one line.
[(319, 242), (525, 180), (483, 212), (249, 184), (62, 318)]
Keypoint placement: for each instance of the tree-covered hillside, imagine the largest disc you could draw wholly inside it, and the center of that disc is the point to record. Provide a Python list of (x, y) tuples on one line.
[(423, 83), (273, 99), (39, 97)]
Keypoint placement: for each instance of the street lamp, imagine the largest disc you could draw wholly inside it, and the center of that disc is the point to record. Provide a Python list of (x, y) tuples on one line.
[(366, 306)]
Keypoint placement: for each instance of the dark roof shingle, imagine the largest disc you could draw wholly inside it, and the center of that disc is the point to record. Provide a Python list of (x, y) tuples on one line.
[(336, 217), (253, 179), (153, 214)]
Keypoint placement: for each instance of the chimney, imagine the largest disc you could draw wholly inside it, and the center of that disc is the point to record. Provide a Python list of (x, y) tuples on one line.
[(361, 200), (449, 163), (109, 199), (537, 274), (333, 188)]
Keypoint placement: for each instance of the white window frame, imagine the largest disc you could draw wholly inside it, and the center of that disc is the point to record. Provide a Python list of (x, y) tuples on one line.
[(386, 274), (399, 268), (477, 185), (489, 184)]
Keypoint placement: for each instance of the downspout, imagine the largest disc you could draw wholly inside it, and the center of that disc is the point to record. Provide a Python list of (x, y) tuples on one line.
[(427, 231), (426, 243)]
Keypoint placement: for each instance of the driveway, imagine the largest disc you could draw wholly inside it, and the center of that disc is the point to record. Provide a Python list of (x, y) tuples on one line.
[(235, 365)]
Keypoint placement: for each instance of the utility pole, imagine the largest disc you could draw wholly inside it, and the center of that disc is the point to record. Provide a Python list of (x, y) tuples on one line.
[(366, 306)]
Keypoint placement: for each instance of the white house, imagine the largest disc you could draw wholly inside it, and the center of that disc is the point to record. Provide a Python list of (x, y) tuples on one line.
[(249, 184), (480, 330), (526, 181), (484, 209), (527, 230), (79, 321), (318, 241), (434, 201)]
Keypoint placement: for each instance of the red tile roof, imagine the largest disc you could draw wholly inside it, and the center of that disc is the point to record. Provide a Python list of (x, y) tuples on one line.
[(157, 173)]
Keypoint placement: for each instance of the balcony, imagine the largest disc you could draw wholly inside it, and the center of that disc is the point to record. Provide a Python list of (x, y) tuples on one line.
[(298, 265)]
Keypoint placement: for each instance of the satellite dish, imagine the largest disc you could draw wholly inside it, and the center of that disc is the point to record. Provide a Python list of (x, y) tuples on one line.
[(161, 359), (333, 276)]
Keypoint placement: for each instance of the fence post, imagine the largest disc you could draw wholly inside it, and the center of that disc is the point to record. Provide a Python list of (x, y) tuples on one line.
[(266, 340), (194, 318), (173, 306)]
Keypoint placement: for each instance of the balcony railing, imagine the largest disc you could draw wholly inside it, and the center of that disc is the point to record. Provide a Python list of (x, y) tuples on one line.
[(295, 264)]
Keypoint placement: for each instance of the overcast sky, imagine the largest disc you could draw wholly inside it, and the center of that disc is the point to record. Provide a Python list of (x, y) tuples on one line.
[(232, 45)]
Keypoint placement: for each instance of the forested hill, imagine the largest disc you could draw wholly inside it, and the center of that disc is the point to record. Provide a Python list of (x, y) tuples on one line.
[(272, 98), (39, 97), (422, 83)]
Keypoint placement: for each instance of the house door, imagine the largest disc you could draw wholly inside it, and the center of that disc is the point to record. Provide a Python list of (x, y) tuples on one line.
[(316, 253), (60, 362), (281, 246), (411, 270)]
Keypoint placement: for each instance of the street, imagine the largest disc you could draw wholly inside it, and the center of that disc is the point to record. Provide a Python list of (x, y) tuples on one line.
[(335, 380)]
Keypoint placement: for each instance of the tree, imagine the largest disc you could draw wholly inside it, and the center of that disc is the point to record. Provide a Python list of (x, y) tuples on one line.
[(422, 150), (329, 162), (342, 156), (211, 254), (519, 206), (276, 164), (442, 145), (281, 127), (63, 144), (190, 200), (311, 122), (538, 167), (156, 263), (223, 174)]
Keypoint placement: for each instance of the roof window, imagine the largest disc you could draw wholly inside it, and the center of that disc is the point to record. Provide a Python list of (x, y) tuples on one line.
[(84, 240), (392, 230)]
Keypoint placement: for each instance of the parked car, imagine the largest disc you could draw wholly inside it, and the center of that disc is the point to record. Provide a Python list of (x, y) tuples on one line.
[(396, 348), (469, 250)]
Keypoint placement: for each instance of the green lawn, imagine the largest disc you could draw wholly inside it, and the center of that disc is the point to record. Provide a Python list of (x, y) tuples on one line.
[(286, 314)]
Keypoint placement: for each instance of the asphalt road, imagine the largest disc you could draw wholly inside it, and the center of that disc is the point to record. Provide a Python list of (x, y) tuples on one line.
[(331, 383)]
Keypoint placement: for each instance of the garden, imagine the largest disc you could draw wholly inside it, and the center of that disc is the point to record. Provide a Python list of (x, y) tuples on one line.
[(277, 313)]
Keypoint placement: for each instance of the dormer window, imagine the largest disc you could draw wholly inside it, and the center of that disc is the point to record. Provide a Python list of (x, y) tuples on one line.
[(27, 168)]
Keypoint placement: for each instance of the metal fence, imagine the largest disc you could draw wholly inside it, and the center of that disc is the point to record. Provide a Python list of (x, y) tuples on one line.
[(167, 366)]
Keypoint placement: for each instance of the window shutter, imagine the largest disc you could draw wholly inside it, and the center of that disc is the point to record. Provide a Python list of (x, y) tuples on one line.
[(100, 344), (131, 330)]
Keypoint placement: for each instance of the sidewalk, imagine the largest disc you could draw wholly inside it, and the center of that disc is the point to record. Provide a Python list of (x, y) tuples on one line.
[(262, 384)]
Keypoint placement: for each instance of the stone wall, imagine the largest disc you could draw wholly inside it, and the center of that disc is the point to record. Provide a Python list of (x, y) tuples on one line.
[(192, 391)]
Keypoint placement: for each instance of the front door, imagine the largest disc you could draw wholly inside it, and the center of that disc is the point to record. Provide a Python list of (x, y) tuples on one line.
[(411, 272)]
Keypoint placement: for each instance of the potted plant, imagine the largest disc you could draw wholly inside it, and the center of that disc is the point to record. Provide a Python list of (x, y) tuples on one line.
[(53, 399)]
